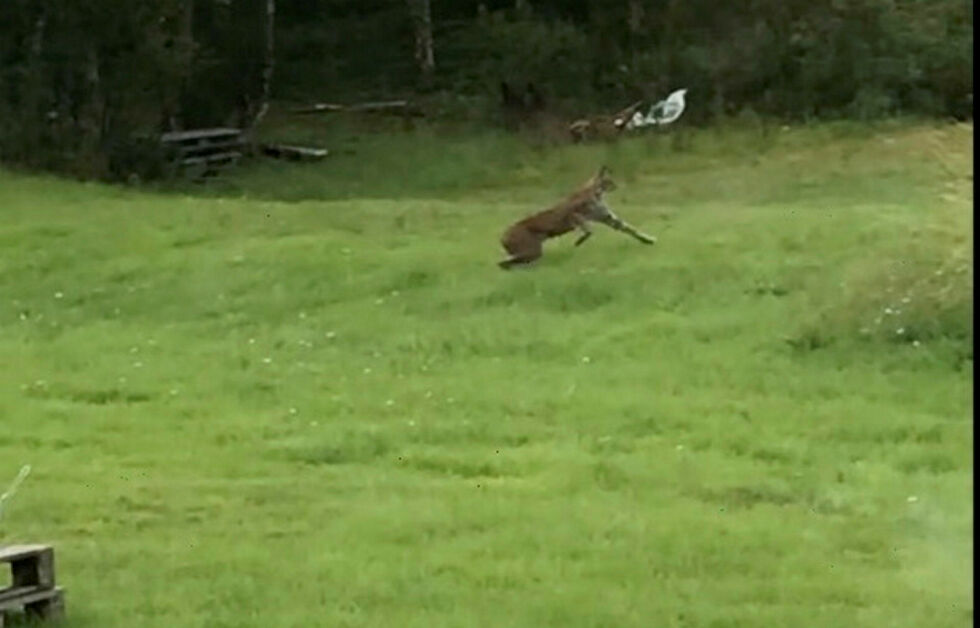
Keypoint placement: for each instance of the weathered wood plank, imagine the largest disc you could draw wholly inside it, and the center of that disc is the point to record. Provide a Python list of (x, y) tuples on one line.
[(10, 597), (196, 134), (17, 597), (230, 156), (201, 150), (10, 553)]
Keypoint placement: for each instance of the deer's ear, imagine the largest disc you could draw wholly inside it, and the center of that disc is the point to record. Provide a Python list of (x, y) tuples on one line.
[(603, 172)]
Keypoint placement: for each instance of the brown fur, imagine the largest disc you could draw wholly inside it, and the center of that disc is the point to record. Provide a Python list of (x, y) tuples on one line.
[(524, 239)]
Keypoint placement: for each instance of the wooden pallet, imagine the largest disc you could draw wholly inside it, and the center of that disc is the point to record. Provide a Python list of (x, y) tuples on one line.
[(200, 153), (33, 589)]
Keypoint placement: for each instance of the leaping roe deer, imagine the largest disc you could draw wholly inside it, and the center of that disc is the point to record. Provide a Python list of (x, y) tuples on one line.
[(524, 239)]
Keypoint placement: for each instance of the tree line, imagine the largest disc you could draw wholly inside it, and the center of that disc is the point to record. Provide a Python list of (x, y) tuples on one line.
[(82, 82)]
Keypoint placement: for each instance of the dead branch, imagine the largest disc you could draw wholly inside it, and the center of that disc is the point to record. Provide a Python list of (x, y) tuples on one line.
[(402, 107)]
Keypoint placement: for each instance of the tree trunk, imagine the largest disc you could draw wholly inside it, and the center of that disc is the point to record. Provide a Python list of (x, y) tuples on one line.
[(34, 90), (171, 109), (91, 116), (635, 30), (37, 39), (34, 64), (425, 59), (268, 64), (92, 109)]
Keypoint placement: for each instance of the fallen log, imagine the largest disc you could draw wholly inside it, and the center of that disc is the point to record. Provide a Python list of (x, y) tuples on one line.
[(402, 107), (297, 153)]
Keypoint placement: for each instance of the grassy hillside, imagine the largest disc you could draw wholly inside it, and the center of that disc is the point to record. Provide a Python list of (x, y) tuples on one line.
[(306, 395)]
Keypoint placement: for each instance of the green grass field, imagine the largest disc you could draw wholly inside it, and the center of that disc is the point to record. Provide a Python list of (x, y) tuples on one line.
[(306, 396)]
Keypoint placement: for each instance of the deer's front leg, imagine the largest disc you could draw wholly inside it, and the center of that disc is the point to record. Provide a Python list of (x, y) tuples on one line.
[(612, 220), (583, 226)]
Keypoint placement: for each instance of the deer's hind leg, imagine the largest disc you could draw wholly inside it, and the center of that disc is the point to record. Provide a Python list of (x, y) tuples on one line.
[(523, 247)]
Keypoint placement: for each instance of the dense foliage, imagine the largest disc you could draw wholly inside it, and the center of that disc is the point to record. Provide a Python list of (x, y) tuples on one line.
[(77, 80)]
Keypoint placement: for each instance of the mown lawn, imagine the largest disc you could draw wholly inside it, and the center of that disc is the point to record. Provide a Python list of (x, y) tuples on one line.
[(306, 396)]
